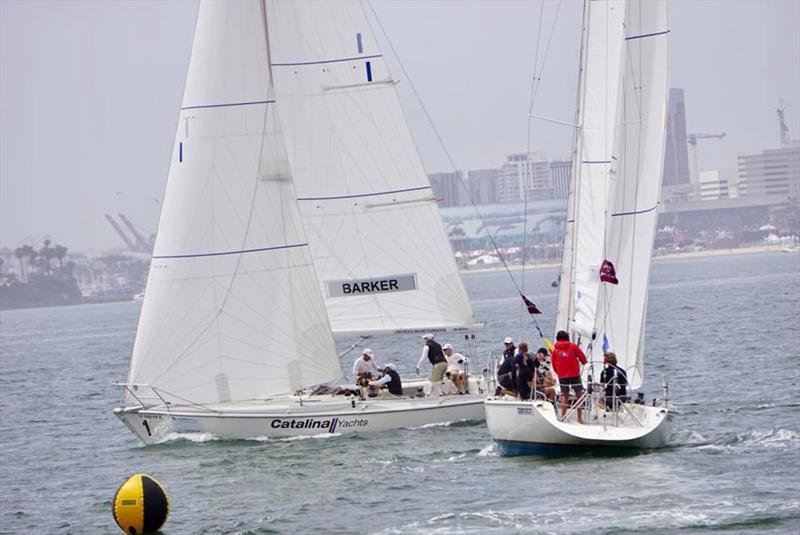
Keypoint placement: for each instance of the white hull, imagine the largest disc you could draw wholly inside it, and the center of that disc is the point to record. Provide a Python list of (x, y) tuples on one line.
[(524, 427), (286, 416)]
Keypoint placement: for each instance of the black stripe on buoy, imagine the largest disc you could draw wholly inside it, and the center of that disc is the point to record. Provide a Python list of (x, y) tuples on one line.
[(156, 506)]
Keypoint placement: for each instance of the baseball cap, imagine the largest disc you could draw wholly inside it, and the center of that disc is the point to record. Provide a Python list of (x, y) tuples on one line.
[(447, 346), (428, 336), (508, 340), (368, 352)]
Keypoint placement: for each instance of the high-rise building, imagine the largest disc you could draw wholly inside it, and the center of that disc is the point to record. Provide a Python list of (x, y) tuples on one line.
[(447, 187), (560, 171), (771, 172), (522, 175), (676, 148), (482, 184), (718, 184)]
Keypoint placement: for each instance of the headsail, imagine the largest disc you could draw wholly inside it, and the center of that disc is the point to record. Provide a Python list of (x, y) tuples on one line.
[(377, 240), (598, 97), (232, 310), (636, 186)]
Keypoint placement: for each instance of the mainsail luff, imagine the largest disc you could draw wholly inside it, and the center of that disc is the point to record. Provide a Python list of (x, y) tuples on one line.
[(365, 199), (634, 197), (598, 90), (232, 310)]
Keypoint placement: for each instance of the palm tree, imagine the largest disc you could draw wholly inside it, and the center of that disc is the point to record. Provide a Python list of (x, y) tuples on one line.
[(59, 252)]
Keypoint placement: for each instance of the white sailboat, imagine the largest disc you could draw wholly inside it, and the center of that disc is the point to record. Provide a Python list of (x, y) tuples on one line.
[(296, 207), (612, 214)]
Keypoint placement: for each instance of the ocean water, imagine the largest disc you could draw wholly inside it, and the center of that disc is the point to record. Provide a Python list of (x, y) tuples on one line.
[(723, 329)]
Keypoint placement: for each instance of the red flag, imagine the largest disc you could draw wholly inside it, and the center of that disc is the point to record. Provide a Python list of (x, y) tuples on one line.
[(530, 306), (608, 273)]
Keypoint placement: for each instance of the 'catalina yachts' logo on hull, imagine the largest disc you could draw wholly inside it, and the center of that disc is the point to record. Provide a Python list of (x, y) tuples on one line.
[(329, 425)]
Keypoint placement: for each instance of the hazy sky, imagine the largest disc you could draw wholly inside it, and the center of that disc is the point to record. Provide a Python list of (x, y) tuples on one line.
[(89, 93)]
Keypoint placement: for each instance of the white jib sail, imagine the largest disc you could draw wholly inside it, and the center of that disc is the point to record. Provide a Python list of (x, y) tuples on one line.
[(379, 247), (232, 309), (636, 186), (598, 97)]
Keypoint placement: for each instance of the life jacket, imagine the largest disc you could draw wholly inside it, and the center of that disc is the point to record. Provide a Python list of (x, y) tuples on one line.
[(435, 353)]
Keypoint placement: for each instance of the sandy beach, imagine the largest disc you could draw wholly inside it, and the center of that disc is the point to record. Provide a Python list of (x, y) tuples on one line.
[(669, 256)]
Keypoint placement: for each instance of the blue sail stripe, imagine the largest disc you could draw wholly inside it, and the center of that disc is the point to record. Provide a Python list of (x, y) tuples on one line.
[(322, 61), (642, 36), (353, 196), (228, 104), (635, 212), (224, 253)]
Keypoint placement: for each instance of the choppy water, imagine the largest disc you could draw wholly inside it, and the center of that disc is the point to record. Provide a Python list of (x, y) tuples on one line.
[(725, 330)]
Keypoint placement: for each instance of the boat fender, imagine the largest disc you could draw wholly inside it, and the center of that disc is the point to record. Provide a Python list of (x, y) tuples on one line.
[(140, 505)]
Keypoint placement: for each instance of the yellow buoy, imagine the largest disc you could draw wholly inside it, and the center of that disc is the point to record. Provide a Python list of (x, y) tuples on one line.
[(140, 505)]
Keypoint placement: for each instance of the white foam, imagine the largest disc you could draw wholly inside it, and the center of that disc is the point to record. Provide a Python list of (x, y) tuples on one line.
[(191, 437), (488, 451)]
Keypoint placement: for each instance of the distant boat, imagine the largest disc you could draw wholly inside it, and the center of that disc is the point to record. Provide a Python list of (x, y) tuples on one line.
[(612, 215), (138, 297), (296, 208)]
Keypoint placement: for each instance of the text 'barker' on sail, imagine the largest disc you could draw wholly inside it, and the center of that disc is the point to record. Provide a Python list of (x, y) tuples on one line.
[(391, 283)]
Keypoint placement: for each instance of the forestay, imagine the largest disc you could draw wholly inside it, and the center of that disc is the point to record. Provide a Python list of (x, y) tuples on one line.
[(598, 97), (634, 194), (232, 309), (377, 240)]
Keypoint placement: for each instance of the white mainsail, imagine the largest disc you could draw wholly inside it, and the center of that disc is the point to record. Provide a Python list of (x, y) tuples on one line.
[(598, 97), (379, 248), (636, 186), (232, 309)]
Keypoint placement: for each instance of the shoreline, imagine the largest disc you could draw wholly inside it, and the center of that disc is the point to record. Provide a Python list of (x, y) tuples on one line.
[(669, 256)]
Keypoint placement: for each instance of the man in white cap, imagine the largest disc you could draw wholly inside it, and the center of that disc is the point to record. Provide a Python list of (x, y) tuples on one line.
[(455, 368), (391, 379), (365, 368), (435, 355)]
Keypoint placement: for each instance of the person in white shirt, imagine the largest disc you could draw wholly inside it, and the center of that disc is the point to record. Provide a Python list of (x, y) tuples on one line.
[(365, 368), (455, 368)]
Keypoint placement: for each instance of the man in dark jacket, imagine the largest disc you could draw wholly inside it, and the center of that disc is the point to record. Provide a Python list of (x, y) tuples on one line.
[(615, 381), (506, 376), (567, 359), (391, 379), (435, 355)]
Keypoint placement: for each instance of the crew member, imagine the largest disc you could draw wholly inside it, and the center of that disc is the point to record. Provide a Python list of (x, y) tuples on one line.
[(391, 379), (455, 367), (365, 368), (615, 381), (435, 355), (567, 359)]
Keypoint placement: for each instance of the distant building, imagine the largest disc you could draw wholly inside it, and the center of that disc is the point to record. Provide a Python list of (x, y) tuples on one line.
[(771, 172), (718, 184), (676, 148), (448, 188), (521, 175), (482, 184), (560, 174)]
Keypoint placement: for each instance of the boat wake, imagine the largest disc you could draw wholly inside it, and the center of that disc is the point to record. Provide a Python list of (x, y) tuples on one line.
[(755, 440)]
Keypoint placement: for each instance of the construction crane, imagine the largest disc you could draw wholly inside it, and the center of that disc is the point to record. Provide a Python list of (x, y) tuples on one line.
[(692, 138), (785, 139)]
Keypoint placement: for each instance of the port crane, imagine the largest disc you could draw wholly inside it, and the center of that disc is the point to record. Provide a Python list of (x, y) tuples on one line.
[(693, 139)]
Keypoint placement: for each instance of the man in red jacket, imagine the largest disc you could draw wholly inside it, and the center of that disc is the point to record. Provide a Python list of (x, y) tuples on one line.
[(567, 359)]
